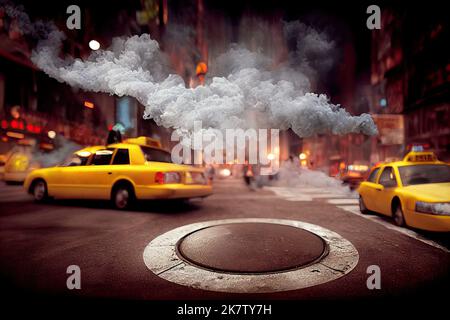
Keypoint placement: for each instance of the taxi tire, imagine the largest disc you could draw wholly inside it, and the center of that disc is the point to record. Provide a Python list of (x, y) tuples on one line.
[(362, 207), (39, 190), (125, 190), (398, 216)]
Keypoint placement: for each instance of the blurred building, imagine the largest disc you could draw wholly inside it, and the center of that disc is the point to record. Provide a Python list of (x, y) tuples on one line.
[(411, 81), (33, 104)]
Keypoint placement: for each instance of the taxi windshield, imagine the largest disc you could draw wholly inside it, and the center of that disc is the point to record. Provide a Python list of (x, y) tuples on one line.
[(424, 173), (152, 154)]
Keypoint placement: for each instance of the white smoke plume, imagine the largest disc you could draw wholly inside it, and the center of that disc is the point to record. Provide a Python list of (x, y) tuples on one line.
[(292, 176), (63, 149), (246, 85)]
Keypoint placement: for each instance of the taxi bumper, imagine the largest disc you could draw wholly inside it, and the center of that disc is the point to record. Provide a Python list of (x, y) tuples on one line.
[(429, 222), (172, 191)]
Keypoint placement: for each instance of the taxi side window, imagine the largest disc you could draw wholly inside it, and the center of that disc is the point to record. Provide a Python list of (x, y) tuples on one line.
[(122, 157), (75, 161), (387, 178), (373, 175), (102, 157)]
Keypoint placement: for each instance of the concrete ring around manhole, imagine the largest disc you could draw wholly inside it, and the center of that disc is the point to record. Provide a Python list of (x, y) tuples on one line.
[(163, 257)]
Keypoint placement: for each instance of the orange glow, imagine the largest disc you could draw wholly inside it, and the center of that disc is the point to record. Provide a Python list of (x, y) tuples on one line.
[(46, 146), (165, 12), (25, 142), (89, 104), (15, 135), (201, 69)]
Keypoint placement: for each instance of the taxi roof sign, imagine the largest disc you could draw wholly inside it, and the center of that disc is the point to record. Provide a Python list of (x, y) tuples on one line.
[(144, 141), (414, 156), (417, 148)]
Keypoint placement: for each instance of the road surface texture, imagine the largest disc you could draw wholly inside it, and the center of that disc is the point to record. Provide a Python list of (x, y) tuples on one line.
[(39, 241)]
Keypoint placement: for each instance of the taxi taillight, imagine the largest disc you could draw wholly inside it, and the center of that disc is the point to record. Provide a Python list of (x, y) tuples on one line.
[(167, 177)]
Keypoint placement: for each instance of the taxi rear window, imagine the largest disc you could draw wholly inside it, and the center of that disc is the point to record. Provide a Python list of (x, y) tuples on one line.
[(424, 173), (152, 154)]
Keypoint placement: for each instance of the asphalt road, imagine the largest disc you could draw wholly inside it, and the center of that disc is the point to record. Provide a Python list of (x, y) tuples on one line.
[(39, 241)]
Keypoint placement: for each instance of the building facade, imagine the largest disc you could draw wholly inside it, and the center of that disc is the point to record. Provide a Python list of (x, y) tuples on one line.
[(411, 81)]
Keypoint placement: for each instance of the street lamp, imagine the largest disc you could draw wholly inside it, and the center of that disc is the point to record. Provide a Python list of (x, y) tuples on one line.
[(51, 134), (94, 45)]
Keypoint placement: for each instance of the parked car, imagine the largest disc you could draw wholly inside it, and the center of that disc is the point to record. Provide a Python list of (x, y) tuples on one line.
[(415, 192)]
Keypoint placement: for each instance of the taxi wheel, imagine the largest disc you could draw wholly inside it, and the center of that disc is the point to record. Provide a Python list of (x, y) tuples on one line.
[(362, 206), (122, 197), (40, 191), (398, 216)]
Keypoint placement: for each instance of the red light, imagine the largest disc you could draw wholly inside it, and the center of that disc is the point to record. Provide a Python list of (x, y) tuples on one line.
[(30, 128), (15, 124), (4, 124), (37, 129), (110, 127), (159, 177)]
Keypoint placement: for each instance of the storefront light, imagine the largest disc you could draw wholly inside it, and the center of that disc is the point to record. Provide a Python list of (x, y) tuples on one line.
[(16, 135), (94, 45)]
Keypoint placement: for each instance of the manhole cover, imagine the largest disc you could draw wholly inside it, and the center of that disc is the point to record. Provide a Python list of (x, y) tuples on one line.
[(251, 248)]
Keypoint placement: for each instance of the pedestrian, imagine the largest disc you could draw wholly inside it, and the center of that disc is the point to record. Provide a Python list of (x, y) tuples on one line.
[(210, 172), (248, 174)]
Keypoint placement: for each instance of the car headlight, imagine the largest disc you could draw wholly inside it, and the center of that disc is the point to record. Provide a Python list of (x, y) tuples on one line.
[(225, 172), (438, 208)]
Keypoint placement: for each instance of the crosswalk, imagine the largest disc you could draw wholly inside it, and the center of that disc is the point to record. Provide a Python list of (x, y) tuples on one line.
[(347, 201), (342, 196)]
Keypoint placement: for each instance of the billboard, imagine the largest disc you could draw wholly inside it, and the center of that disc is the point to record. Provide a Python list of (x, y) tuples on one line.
[(391, 128)]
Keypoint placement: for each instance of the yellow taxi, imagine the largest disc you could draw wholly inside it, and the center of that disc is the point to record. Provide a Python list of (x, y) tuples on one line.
[(131, 170), (18, 164), (414, 191)]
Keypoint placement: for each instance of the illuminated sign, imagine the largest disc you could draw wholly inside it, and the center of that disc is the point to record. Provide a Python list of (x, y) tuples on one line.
[(89, 104), (15, 135)]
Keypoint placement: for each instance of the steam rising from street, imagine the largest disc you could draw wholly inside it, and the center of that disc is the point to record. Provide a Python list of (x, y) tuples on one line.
[(246, 90)]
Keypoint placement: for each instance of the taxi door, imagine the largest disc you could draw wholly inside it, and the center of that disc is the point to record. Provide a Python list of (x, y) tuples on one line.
[(62, 181), (368, 190), (383, 199), (90, 180), (94, 180)]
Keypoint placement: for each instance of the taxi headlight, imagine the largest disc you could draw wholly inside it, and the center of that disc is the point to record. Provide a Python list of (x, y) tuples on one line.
[(438, 208)]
